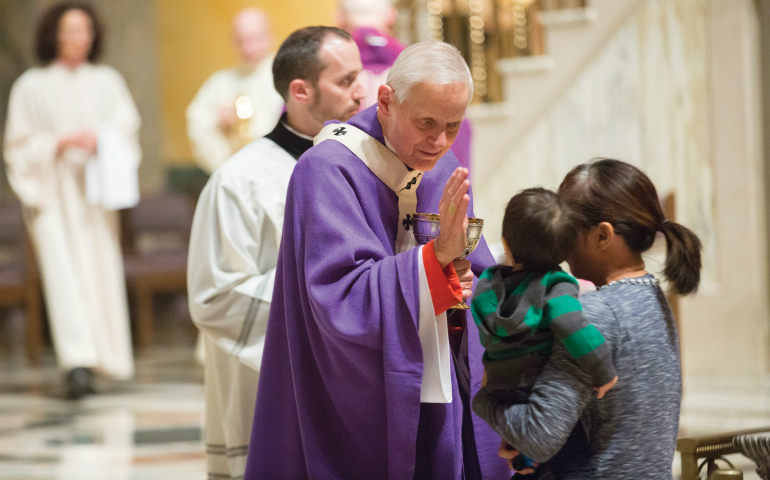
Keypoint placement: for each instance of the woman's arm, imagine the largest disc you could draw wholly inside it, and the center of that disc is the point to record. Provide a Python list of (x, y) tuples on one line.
[(540, 428)]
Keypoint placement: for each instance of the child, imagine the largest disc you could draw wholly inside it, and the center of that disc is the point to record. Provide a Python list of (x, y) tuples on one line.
[(521, 308)]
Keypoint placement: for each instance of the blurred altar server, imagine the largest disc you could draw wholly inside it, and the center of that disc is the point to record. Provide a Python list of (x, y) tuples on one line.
[(371, 22), (72, 153), (236, 105), (237, 230)]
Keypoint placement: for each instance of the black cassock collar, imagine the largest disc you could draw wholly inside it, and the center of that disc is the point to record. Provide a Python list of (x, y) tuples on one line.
[(288, 140)]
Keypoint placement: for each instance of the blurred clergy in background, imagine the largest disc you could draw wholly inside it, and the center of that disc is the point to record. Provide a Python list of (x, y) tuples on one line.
[(72, 150), (236, 105), (371, 24), (237, 231)]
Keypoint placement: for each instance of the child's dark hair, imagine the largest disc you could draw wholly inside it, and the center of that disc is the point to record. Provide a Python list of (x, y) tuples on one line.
[(618, 193), (539, 228)]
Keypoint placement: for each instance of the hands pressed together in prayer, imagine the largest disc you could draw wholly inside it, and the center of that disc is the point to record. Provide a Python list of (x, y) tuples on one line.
[(450, 243), (452, 208)]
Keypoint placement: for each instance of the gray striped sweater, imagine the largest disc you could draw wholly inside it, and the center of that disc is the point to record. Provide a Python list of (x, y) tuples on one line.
[(633, 429)]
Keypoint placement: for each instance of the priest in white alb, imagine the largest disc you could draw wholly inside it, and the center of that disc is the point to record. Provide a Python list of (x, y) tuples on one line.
[(236, 105), (71, 150), (237, 231)]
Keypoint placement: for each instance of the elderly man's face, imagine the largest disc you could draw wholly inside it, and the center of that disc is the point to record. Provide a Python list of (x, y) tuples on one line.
[(423, 127)]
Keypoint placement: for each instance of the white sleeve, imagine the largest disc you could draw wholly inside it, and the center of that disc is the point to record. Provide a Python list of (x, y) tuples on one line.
[(125, 116), (209, 144), (434, 338), (112, 177), (30, 147), (229, 293)]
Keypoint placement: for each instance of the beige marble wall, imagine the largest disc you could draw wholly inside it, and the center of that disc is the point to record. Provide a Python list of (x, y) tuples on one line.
[(726, 333), (674, 92)]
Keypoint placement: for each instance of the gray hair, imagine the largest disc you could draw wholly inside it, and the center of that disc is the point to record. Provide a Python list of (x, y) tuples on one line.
[(437, 63)]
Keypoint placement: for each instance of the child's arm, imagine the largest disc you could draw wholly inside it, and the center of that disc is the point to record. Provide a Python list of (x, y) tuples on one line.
[(582, 340)]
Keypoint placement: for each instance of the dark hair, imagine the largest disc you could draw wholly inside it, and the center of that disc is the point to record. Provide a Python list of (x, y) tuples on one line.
[(47, 37), (539, 229), (298, 57), (618, 193)]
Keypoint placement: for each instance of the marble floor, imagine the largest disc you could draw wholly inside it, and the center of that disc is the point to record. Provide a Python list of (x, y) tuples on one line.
[(151, 427)]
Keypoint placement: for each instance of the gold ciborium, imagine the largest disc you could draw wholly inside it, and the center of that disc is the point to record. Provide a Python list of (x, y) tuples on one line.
[(427, 227), (239, 134)]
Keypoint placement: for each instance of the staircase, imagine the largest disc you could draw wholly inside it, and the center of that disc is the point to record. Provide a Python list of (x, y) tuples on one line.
[(573, 37)]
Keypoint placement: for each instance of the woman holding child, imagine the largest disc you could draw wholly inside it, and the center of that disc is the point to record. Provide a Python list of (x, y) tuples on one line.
[(613, 212)]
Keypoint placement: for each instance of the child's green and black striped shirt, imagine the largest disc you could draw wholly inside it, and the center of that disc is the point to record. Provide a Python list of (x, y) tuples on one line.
[(519, 313)]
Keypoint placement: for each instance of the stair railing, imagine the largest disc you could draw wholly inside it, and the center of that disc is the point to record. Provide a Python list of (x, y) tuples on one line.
[(699, 452)]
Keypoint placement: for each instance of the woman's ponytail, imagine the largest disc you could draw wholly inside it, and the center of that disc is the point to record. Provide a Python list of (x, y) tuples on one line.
[(616, 192), (683, 258)]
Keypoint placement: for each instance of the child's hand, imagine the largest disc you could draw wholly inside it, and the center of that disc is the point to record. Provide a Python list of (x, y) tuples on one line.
[(605, 388), (584, 286), (509, 453), (484, 380)]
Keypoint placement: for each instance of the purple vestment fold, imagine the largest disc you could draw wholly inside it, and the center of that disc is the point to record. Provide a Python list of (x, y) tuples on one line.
[(339, 389), (462, 146)]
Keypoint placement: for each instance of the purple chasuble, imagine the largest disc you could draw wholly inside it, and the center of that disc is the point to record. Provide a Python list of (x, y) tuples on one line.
[(339, 388), (462, 146)]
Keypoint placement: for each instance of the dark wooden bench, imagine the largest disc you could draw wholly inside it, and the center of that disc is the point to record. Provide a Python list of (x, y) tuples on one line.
[(19, 279), (156, 236)]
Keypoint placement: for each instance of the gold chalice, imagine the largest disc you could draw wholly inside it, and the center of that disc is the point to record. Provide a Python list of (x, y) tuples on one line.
[(427, 227)]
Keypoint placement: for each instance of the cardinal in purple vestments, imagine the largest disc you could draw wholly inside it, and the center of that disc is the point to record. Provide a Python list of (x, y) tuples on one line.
[(339, 390)]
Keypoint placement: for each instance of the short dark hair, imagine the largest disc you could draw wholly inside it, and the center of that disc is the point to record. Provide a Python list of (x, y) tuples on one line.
[(47, 37), (539, 228), (298, 57)]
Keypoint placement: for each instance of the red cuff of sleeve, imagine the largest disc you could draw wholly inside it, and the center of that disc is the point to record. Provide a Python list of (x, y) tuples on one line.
[(445, 288)]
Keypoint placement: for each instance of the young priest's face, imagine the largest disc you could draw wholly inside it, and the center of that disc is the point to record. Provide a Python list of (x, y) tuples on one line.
[(423, 126), (338, 93)]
